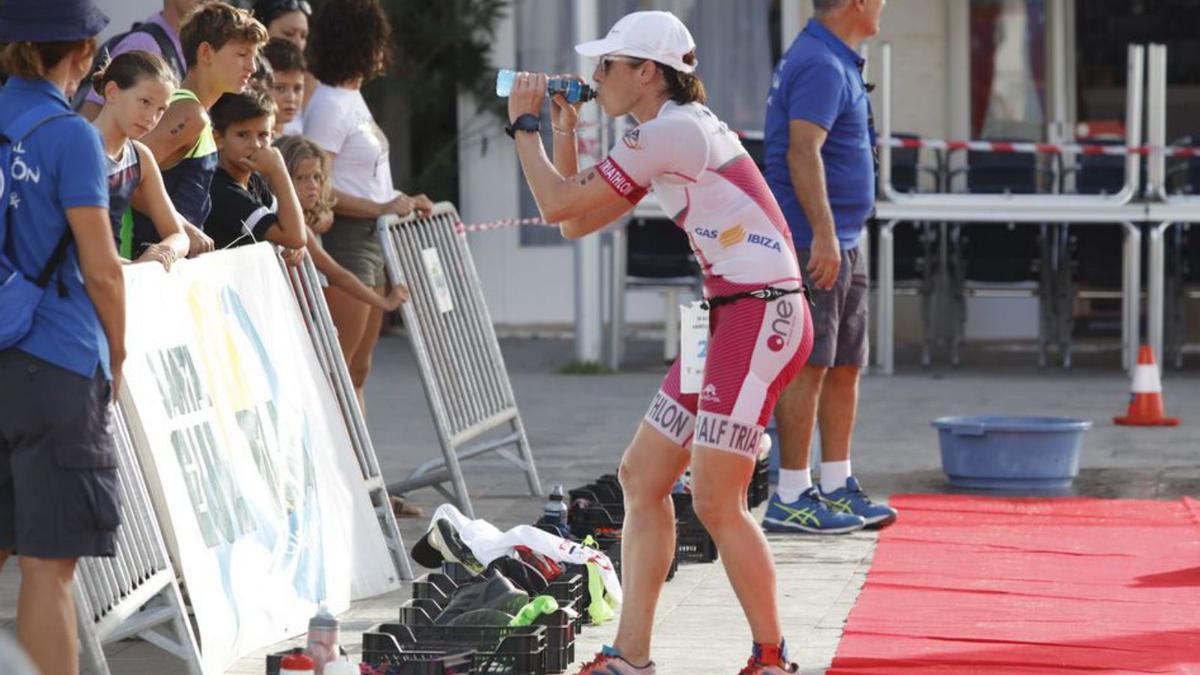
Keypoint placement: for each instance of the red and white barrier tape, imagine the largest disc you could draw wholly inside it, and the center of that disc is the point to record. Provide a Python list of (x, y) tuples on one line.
[(500, 224), (1045, 148)]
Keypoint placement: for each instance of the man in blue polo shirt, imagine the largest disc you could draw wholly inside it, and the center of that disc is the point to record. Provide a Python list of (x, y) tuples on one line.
[(58, 463), (820, 166)]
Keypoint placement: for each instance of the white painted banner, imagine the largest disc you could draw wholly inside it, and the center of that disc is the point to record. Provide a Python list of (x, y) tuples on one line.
[(258, 491)]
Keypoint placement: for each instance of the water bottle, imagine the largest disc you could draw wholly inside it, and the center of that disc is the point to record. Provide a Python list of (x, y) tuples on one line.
[(572, 90), (341, 667), (296, 664), (683, 485), (322, 638), (555, 512)]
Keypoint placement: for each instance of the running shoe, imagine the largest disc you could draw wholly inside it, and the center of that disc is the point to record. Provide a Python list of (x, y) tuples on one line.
[(609, 662), (808, 514), (852, 500), (481, 617), (523, 575), (443, 543), (496, 592), (769, 660)]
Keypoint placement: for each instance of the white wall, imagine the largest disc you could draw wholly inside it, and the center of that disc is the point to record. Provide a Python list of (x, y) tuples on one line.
[(524, 285)]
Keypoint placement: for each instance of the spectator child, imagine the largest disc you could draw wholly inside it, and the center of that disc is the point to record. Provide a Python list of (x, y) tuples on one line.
[(219, 45), (287, 62), (252, 195), (309, 168), (136, 86)]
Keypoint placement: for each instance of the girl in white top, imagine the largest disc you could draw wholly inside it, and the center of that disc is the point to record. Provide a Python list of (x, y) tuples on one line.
[(350, 46)]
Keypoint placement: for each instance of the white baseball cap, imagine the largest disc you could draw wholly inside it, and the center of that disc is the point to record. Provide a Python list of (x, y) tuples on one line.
[(658, 36)]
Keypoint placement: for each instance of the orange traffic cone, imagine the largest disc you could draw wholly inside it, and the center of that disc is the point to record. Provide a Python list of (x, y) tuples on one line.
[(1145, 403)]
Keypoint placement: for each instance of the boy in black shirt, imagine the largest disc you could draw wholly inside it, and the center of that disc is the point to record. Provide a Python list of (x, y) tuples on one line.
[(252, 195)]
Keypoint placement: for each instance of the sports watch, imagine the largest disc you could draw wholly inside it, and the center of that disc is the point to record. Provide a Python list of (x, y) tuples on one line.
[(526, 122)]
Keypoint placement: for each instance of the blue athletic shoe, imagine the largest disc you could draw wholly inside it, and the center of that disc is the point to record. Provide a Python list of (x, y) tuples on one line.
[(852, 500), (808, 514)]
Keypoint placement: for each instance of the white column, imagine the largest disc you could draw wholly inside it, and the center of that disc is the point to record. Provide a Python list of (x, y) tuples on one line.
[(793, 15), (588, 285)]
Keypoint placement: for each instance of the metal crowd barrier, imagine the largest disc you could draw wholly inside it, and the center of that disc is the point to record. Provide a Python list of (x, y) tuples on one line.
[(306, 284), (1116, 210), (462, 369), (134, 594)]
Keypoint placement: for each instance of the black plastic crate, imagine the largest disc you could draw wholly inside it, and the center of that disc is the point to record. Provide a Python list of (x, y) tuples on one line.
[(419, 612), (498, 649), (407, 662), (435, 586), (560, 640), (760, 488), (560, 631), (693, 543), (568, 591), (459, 574)]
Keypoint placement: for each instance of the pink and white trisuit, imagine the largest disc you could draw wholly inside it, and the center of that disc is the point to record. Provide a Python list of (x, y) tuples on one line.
[(702, 175)]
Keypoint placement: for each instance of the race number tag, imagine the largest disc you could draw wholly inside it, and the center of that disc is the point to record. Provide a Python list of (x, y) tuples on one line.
[(693, 346), (437, 279)]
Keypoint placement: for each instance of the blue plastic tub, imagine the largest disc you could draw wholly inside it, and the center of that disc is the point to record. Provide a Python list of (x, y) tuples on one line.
[(1011, 453)]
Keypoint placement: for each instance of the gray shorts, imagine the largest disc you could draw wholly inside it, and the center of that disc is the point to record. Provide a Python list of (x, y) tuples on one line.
[(839, 315), (354, 244), (58, 460)]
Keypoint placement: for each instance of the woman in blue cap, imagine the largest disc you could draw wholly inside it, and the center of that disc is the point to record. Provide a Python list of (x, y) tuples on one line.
[(58, 475)]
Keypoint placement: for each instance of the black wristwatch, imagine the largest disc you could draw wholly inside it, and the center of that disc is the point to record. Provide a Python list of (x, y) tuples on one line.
[(527, 122)]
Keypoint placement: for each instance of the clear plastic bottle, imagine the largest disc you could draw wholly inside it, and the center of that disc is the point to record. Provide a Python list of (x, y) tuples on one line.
[(341, 666), (573, 90), (323, 633)]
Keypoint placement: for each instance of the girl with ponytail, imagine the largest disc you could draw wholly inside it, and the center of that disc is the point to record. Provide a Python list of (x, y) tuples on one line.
[(136, 86)]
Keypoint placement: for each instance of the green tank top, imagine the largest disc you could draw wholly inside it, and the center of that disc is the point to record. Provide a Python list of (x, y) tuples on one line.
[(187, 183)]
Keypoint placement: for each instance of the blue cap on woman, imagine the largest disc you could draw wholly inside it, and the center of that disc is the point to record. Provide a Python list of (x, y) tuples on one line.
[(50, 20)]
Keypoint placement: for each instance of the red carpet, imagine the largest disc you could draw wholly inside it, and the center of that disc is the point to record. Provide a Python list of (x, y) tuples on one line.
[(986, 585)]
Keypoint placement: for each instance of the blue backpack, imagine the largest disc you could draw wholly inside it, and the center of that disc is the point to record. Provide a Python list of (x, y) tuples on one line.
[(19, 295)]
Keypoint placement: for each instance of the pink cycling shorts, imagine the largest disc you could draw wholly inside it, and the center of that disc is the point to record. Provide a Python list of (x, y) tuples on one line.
[(755, 348)]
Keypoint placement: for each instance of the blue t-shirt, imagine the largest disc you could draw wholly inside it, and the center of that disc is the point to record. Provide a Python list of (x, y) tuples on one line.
[(63, 167), (820, 80)]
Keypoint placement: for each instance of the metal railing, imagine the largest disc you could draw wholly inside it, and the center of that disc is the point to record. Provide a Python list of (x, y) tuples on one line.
[(462, 369), (306, 285), (134, 593)]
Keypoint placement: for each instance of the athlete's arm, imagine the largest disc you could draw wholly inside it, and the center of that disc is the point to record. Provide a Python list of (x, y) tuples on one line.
[(559, 198)]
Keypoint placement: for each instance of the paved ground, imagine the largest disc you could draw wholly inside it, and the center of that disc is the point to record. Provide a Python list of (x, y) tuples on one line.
[(578, 426)]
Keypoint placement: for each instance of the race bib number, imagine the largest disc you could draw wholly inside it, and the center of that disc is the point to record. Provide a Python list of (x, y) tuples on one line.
[(693, 346)]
